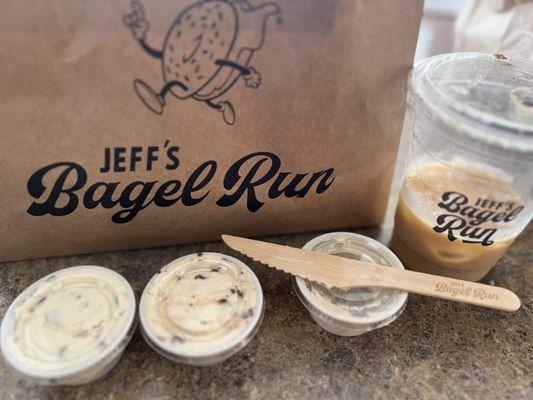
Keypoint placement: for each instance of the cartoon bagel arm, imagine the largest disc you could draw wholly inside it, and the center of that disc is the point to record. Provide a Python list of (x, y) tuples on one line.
[(197, 47)]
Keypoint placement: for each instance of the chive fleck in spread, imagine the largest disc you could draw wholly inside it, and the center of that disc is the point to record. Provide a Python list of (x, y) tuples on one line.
[(70, 318)]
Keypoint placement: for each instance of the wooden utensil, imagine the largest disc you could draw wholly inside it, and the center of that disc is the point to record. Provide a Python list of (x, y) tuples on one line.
[(333, 271)]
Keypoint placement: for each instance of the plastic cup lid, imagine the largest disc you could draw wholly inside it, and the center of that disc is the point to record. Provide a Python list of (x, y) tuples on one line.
[(487, 97), (368, 308), (202, 350), (99, 359)]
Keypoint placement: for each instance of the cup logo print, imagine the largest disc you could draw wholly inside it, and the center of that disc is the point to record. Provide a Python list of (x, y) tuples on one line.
[(474, 222), (204, 52)]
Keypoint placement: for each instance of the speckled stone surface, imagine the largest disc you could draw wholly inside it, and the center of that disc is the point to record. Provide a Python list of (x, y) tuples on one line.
[(436, 349)]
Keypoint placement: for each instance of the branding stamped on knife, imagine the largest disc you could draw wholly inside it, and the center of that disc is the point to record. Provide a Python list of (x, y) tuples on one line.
[(460, 289)]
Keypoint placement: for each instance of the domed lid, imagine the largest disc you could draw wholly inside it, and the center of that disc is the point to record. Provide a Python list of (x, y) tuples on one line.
[(488, 98), (366, 308)]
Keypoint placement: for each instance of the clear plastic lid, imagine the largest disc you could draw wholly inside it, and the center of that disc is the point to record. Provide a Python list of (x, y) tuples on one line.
[(202, 308), (70, 326), (486, 98), (361, 308)]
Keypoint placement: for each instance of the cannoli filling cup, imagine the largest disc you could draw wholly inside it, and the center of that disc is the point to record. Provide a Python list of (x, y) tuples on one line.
[(201, 308)]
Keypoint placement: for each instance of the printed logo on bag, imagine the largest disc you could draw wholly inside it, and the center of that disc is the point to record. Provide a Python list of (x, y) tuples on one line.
[(60, 188), (205, 52), (465, 220)]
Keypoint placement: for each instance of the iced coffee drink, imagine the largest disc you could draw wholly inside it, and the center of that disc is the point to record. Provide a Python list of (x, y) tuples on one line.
[(467, 183), (454, 221)]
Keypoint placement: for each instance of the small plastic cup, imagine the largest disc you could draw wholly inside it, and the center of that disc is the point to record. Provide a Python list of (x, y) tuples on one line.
[(201, 309), (466, 191), (355, 311), (70, 327)]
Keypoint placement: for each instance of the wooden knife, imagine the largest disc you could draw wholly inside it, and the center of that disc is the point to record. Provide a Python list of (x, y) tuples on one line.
[(344, 273)]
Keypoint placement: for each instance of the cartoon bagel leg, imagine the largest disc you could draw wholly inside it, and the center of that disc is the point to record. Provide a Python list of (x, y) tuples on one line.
[(252, 79), (138, 25), (226, 108), (151, 99)]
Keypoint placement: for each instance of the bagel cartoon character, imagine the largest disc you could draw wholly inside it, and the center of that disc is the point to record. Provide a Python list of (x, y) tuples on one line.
[(204, 54)]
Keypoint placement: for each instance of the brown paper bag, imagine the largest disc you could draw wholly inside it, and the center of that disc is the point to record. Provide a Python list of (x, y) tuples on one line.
[(134, 124)]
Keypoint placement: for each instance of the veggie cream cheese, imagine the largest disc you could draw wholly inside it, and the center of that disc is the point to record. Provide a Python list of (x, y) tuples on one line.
[(201, 309), (69, 327)]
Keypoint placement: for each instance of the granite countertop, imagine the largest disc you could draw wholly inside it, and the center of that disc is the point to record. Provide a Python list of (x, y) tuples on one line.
[(435, 349)]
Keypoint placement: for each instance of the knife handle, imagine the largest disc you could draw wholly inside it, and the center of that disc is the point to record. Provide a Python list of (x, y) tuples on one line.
[(450, 289)]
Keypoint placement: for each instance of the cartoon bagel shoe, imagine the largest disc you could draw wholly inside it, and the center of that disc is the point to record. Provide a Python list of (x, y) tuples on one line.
[(204, 52)]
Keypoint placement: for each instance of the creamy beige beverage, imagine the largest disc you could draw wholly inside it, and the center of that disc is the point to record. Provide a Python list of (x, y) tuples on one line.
[(453, 220), (200, 305), (69, 322)]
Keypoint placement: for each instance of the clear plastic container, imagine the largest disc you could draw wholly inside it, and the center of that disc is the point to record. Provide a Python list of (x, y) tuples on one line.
[(70, 327), (355, 311), (466, 191), (201, 309)]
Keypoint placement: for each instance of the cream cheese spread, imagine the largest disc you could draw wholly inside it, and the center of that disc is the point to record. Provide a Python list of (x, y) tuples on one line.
[(68, 321), (201, 304)]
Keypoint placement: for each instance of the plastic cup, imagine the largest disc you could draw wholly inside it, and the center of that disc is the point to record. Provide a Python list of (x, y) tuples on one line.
[(467, 183), (70, 327), (355, 311), (201, 309)]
